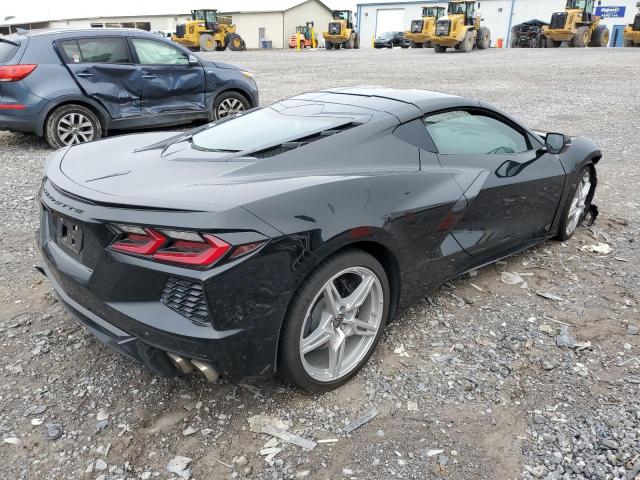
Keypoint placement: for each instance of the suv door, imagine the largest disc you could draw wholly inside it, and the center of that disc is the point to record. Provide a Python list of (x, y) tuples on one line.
[(169, 82), (513, 187), (104, 70)]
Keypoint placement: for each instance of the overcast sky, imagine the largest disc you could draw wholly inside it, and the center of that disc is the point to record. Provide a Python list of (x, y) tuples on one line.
[(52, 9)]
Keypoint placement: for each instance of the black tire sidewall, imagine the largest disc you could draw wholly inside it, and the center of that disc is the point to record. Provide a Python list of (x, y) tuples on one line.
[(290, 366), (225, 95), (562, 229), (50, 127)]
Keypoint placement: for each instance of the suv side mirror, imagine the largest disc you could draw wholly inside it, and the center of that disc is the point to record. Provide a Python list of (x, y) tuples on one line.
[(555, 142), (193, 61)]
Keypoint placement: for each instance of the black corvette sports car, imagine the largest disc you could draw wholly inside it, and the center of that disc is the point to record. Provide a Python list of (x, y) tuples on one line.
[(284, 239)]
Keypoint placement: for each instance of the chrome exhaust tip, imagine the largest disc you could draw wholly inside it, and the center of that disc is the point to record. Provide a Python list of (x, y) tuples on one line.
[(180, 363), (206, 369)]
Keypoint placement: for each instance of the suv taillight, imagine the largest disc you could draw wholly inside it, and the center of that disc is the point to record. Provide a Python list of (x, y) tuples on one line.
[(13, 73)]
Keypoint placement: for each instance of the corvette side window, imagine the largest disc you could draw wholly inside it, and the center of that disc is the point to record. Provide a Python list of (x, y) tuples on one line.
[(467, 133)]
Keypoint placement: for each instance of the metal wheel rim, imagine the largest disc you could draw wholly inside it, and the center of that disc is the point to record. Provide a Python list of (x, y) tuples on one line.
[(339, 329), (578, 203), (229, 106), (75, 128)]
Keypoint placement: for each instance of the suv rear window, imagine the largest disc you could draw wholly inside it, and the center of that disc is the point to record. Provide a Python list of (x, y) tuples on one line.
[(7, 51), (95, 50)]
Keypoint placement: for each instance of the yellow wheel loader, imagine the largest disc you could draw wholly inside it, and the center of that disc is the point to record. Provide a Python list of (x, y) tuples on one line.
[(422, 30), (577, 26), (341, 32), (632, 32), (208, 31), (460, 29)]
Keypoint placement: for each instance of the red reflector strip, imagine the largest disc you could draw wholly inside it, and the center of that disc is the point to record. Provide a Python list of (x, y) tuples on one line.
[(194, 253), (140, 244), (12, 106), (14, 73)]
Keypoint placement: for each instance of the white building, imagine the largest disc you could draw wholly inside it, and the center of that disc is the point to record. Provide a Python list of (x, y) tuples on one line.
[(376, 17), (256, 20)]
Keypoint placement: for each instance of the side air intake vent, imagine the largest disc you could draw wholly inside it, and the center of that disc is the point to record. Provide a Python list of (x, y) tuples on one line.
[(301, 142)]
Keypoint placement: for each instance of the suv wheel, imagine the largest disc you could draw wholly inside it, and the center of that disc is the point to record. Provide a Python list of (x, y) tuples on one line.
[(228, 103), (72, 125)]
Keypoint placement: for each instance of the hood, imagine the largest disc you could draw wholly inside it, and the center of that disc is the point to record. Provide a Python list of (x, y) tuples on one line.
[(226, 66)]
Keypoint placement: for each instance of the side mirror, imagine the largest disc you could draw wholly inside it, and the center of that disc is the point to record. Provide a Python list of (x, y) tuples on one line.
[(555, 142), (193, 61)]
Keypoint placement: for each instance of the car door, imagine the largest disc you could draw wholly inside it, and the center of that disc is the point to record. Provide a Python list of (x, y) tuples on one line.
[(169, 82), (511, 184), (104, 70)]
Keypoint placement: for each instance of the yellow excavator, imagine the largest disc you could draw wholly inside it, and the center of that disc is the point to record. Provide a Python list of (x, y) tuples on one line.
[(422, 30), (341, 32), (460, 29), (208, 31), (577, 26), (632, 32)]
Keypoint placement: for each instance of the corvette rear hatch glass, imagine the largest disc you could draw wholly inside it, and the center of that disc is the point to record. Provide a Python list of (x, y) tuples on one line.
[(264, 127)]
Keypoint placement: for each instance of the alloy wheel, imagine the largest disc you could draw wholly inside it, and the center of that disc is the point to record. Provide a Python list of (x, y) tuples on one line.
[(578, 204), (75, 128), (341, 324), (229, 106)]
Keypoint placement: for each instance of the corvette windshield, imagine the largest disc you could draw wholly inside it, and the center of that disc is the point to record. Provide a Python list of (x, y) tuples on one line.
[(262, 128)]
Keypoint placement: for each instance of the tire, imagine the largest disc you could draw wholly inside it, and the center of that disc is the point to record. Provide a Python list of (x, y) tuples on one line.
[(307, 309), (63, 118), (328, 45), (440, 48), (551, 43), (417, 45), (467, 44), (567, 228), (228, 103), (336, 46), (514, 41), (349, 43), (629, 43), (207, 42), (580, 38), (483, 40), (600, 37), (234, 42), (356, 41)]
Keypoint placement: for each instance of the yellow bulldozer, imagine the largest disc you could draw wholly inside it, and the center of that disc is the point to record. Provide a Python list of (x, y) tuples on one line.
[(341, 32), (632, 32), (577, 26), (208, 31), (460, 29), (422, 30)]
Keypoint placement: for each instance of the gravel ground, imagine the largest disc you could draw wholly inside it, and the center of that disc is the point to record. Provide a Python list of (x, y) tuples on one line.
[(532, 375)]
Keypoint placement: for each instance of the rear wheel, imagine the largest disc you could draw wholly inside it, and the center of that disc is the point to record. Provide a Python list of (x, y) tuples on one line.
[(417, 45), (356, 41), (483, 40), (600, 37), (440, 48), (349, 43), (581, 37), (71, 125), (466, 45), (228, 103), (336, 46), (551, 43), (577, 206), (207, 42), (334, 322), (328, 45)]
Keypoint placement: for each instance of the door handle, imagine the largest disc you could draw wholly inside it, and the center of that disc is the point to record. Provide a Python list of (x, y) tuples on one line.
[(149, 76), (84, 74)]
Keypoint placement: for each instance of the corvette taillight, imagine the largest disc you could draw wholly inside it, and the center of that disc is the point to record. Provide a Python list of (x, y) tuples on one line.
[(173, 246), (14, 73)]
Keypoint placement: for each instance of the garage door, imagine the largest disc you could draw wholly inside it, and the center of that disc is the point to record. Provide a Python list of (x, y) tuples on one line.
[(391, 20)]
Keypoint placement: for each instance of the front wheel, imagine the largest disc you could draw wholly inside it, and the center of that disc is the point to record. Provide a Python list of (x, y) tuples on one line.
[(334, 322), (228, 103), (207, 42), (577, 206), (440, 48), (70, 125)]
